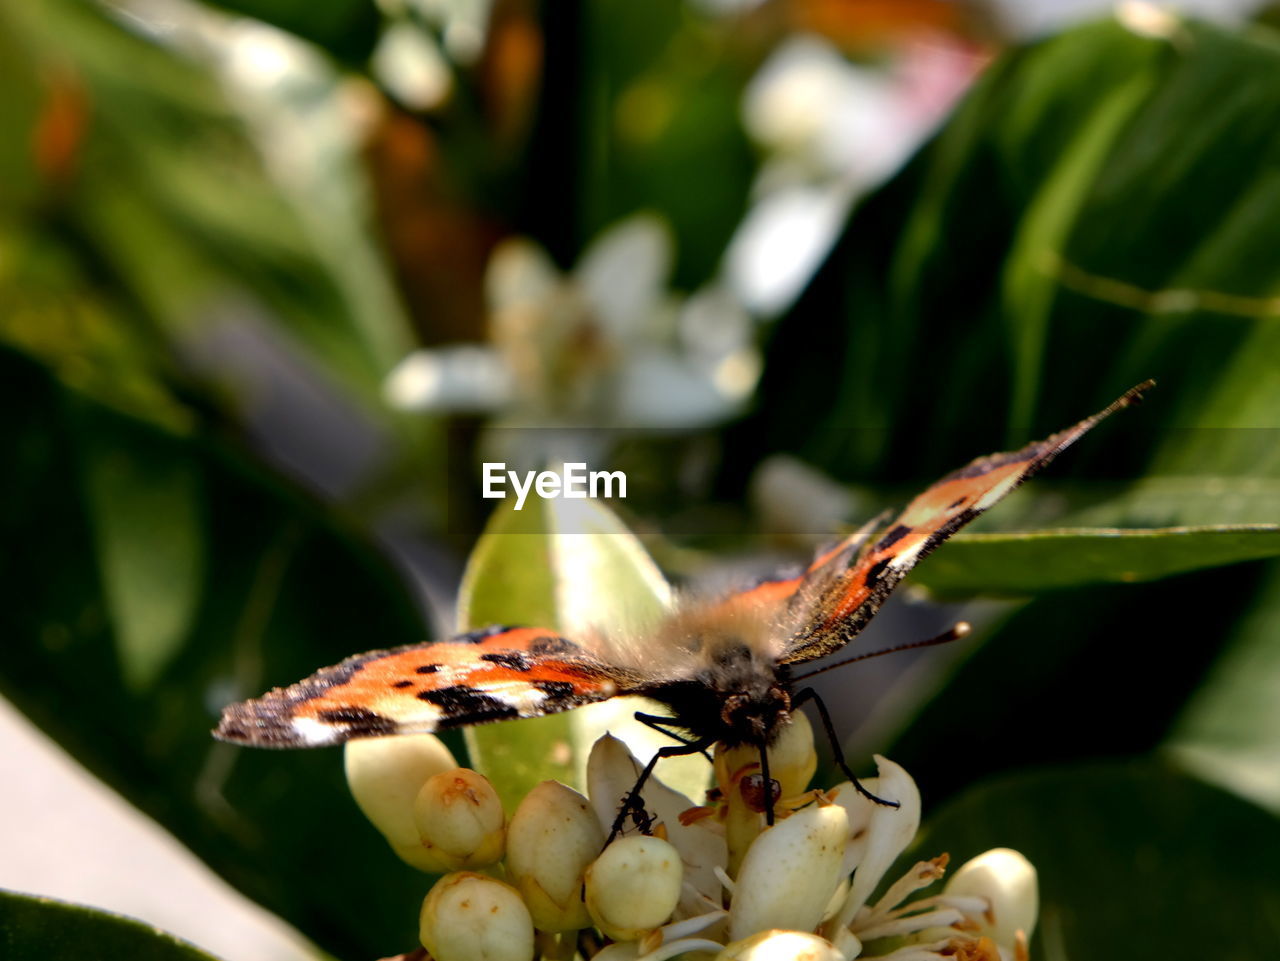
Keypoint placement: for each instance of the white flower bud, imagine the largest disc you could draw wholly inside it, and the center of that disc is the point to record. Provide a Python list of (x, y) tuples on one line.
[(612, 772), (460, 820), (385, 775), (633, 887), (471, 917), (790, 872), (781, 946), (1007, 881), (551, 839)]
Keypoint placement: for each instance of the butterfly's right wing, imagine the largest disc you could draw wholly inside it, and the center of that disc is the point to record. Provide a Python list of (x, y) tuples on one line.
[(489, 675), (773, 597)]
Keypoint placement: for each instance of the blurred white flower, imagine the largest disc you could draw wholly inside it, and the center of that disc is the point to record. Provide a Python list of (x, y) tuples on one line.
[(460, 23), (1025, 19), (794, 500), (834, 130), (409, 64), (604, 346), (423, 41)]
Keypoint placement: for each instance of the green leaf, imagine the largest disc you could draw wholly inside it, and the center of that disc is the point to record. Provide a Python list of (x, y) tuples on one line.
[(570, 566), (636, 97), (176, 208), (1101, 210), (1199, 500), (1133, 861), (144, 506), (282, 589), (1229, 733), (42, 929), (1097, 671), (1045, 560), (1028, 291)]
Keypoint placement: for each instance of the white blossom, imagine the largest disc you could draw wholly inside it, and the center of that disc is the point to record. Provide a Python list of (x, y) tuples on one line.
[(602, 346)]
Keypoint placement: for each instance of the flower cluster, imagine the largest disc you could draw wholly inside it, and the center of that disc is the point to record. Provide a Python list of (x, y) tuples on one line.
[(709, 882)]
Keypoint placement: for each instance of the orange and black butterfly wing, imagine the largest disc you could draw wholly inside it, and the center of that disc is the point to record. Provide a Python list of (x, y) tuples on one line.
[(772, 596), (841, 595), (488, 675)]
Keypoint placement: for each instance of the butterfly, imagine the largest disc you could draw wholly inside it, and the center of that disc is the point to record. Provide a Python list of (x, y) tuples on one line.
[(724, 668)]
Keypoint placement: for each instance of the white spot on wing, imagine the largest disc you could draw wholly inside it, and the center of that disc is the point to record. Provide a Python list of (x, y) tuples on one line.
[(907, 557), (523, 697), (314, 733)]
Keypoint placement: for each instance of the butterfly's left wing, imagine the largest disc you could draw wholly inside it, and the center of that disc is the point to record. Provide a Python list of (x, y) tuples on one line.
[(841, 595), (489, 675)]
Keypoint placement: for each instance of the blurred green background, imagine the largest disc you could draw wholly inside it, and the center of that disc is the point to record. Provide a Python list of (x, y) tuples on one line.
[(276, 277)]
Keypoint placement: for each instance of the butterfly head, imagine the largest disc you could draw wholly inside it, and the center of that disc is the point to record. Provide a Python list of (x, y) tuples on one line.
[(755, 717), (736, 696)]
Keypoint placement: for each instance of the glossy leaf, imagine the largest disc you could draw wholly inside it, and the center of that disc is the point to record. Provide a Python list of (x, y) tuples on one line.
[(1099, 211), (38, 929), (641, 111), (1134, 860), (510, 580), (1004, 564), (1229, 733), (572, 566), (1097, 671), (159, 191), (1152, 501), (281, 590), (148, 531)]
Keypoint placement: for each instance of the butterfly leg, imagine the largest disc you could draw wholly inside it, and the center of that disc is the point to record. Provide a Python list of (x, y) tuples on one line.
[(663, 725), (809, 694), (767, 781), (633, 799)]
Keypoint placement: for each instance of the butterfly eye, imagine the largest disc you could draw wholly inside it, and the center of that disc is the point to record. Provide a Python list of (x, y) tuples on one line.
[(756, 796), (731, 706)]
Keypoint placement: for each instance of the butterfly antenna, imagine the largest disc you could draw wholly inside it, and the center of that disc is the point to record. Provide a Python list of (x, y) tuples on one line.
[(958, 630)]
